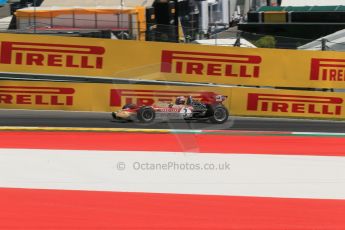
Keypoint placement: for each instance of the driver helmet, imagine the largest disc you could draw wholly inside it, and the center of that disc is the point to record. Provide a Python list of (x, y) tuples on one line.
[(220, 98), (181, 100)]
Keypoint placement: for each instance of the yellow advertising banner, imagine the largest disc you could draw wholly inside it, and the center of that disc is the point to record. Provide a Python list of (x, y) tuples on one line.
[(287, 103), (110, 97), (94, 96), (171, 62)]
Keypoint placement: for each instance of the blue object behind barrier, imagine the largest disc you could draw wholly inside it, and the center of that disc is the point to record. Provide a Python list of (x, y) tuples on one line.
[(3, 2)]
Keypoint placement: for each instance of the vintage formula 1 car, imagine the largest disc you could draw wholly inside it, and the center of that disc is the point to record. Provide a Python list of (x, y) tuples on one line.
[(190, 109)]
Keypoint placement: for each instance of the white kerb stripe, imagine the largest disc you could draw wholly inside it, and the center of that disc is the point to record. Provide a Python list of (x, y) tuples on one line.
[(249, 174)]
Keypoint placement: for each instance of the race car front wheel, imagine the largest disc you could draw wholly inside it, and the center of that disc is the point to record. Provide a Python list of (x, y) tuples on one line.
[(219, 114), (146, 114)]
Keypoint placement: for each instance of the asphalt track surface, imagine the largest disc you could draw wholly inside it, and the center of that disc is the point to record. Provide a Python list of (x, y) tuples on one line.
[(104, 120)]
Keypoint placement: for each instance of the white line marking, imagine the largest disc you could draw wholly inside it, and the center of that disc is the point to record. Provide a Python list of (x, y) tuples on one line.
[(249, 174)]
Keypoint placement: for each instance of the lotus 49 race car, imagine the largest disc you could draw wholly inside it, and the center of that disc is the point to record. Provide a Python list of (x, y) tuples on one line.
[(189, 109)]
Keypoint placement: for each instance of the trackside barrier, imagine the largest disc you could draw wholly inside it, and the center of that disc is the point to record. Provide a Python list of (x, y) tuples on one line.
[(93, 96), (109, 97), (170, 62), (287, 103)]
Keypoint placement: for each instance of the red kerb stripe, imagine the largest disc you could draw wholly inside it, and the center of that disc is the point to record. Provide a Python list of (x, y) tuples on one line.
[(323, 146)]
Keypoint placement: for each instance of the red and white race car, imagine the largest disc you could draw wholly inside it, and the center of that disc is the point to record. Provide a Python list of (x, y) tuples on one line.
[(190, 109)]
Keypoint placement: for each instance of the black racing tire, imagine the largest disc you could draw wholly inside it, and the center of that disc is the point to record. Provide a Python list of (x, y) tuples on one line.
[(146, 114), (219, 114)]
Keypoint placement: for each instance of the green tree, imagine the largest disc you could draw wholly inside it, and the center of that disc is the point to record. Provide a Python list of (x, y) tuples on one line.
[(266, 42)]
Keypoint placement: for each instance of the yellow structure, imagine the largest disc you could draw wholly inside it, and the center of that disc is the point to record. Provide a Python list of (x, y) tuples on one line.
[(109, 97), (88, 57), (115, 18), (275, 17)]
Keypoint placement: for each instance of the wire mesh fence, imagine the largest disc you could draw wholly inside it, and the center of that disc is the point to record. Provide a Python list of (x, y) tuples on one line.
[(131, 30)]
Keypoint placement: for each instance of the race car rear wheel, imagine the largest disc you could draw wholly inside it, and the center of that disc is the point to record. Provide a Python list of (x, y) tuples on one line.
[(219, 114), (146, 114)]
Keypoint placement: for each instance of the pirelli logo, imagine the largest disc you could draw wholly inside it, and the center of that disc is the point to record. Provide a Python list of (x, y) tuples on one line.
[(41, 96), (210, 64), (51, 55), (327, 69), (294, 104), (119, 97)]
